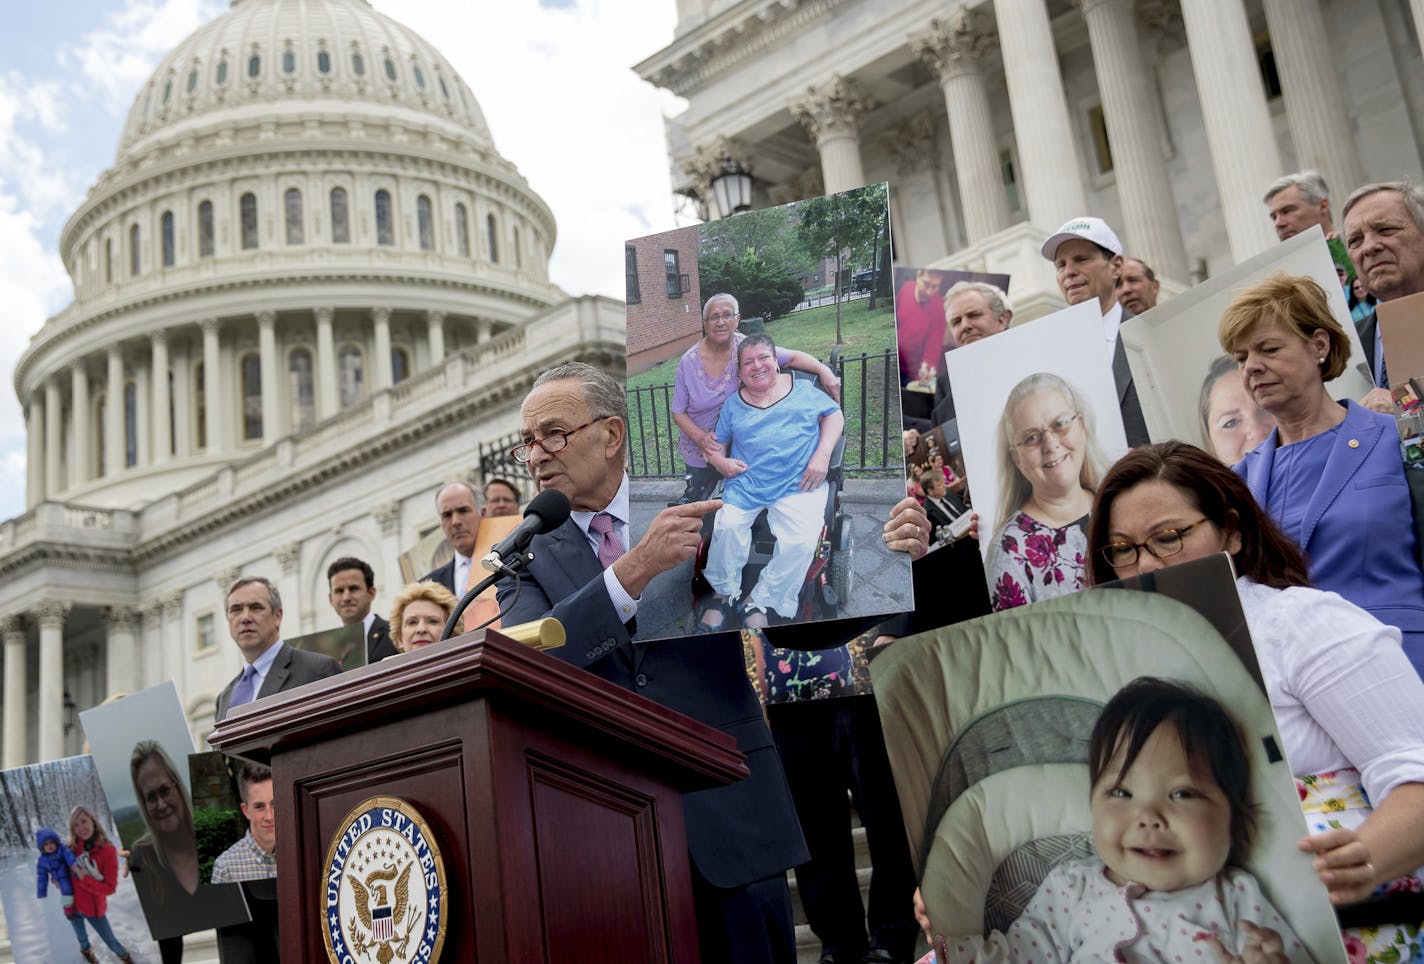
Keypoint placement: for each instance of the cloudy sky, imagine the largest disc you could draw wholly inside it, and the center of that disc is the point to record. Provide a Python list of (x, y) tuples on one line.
[(554, 78)]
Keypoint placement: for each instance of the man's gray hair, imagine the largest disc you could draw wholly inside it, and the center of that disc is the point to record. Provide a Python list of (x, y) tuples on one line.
[(996, 299), (1311, 183), (274, 598), (1408, 192), (604, 394), (467, 486), (721, 296)]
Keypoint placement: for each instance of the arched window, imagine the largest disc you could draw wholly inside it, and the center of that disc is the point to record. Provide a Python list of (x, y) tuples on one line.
[(518, 249), (200, 400), (493, 235), (205, 229), (419, 77), (445, 91), (340, 219), (133, 249), (423, 222), (167, 91), (251, 366), (248, 210), (192, 80), (390, 70), (300, 388), (384, 234), (172, 418), (166, 223), (222, 72), (400, 365), (462, 230), (348, 364), (289, 62), (130, 425), (108, 260), (323, 62), (358, 63), (292, 202), (254, 66)]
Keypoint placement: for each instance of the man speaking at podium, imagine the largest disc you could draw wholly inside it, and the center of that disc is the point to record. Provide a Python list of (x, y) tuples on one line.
[(743, 837)]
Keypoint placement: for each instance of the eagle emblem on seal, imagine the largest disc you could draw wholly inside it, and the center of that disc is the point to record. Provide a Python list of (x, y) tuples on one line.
[(385, 887)]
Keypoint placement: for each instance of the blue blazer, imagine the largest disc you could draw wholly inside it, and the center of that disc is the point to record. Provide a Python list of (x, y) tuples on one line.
[(736, 834), (1358, 530)]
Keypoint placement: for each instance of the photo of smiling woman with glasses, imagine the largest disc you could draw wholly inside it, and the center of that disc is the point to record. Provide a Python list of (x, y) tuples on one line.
[(1049, 467)]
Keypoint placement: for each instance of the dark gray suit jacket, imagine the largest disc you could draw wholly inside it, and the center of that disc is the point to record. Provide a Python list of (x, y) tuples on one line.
[(1133, 424), (291, 668)]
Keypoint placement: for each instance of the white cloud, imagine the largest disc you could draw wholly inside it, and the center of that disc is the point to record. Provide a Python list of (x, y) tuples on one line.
[(562, 100), (119, 56)]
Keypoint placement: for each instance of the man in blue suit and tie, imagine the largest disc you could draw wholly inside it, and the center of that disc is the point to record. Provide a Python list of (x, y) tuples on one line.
[(743, 837)]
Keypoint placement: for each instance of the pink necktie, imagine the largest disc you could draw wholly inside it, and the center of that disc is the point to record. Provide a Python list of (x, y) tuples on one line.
[(610, 548)]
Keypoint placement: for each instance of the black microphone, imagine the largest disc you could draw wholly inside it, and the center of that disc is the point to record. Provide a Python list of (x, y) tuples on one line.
[(545, 512)]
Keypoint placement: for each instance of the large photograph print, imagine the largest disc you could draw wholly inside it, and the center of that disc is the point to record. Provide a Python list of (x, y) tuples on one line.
[(141, 745), (1099, 777), (1190, 388), (762, 371), (1039, 421), (45, 810)]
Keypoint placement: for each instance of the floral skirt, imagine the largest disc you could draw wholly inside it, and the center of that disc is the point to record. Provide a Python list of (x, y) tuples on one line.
[(1336, 800)]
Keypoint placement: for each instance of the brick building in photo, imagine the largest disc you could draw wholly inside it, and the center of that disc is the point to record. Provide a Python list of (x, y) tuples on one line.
[(664, 297)]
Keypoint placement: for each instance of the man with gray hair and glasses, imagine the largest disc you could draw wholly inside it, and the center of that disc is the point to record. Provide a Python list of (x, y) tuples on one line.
[(589, 574), (1296, 201)]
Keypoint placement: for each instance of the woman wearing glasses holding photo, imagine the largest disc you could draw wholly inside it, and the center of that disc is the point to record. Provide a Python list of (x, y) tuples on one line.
[(1349, 704), (1050, 465)]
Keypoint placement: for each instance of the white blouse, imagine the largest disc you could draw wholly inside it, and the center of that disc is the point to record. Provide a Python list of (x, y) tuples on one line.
[(1343, 692)]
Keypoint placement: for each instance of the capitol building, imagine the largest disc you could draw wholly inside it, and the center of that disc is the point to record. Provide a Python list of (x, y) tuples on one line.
[(308, 290)]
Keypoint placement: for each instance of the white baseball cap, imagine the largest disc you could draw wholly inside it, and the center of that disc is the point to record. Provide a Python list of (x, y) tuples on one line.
[(1095, 230)]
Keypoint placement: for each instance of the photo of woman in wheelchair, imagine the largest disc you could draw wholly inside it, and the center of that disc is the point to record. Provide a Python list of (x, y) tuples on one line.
[(777, 436)]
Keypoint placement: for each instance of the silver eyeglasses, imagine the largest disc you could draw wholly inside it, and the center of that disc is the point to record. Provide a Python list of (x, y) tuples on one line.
[(1162, 543), (551, 443), (1059, 427)]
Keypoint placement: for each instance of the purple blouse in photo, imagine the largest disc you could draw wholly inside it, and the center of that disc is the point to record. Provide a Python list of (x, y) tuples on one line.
[(700, 395)]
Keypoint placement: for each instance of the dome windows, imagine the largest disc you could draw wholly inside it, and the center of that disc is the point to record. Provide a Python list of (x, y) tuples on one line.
[(205, 229), (167, 91), (492, 235), (340, 217), (391, 70), (445, 91), (254, 65), (424, 223), (323, 62), (166, 228), (358, 64), (384, 233), (192, 80), (247, 208), (220, 76), (289, 62), (301, 388), (462, 231), (350, 376), (292, 204), (251, 373), (419, 77), (133, 250)]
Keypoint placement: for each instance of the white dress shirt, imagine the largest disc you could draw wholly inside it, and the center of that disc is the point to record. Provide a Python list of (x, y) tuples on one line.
[(1112, 321)]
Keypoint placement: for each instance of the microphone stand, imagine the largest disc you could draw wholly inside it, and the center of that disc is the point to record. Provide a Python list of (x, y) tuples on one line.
[(510, 568)]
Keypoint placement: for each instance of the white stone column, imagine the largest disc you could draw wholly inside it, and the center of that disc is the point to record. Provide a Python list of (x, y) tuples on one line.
[(381, 369), (212, 387), (953, 48), (1134, 121), (435, 336), (831, 114), (170, 638), (35, 476), (16, 692), (484, 331), (1238, 124), (114, 437), (271, 400), (50, 698), (1048, 158), (122, 660), (328, 379), (79, 435), (1314, 95), (54, 435), (182, 402), (162, 433)]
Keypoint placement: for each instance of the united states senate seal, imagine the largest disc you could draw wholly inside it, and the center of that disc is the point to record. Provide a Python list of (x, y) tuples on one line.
[(385, 894)]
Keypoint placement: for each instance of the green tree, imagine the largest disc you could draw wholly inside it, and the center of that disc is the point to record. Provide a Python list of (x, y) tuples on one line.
[(759, 287), (843, 226)]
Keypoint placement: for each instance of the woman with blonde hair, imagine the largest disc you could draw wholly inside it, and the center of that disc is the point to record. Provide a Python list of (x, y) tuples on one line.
[(1049, 464), (419, 614)]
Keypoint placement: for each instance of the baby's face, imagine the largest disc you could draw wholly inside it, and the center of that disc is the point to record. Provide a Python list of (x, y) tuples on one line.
[(1161, 825), (50, 846)]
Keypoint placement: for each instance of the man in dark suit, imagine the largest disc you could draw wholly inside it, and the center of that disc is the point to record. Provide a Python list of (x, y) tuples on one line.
[(1087, 256), (1384, 235), (743, 837), (459, 509), (351, 585), (254, 617)]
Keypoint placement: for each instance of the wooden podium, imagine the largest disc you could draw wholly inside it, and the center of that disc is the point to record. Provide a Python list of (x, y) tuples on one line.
[(554, 797)]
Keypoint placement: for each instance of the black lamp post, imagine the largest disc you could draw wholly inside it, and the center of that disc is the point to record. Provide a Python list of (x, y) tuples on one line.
[(732, 189)]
